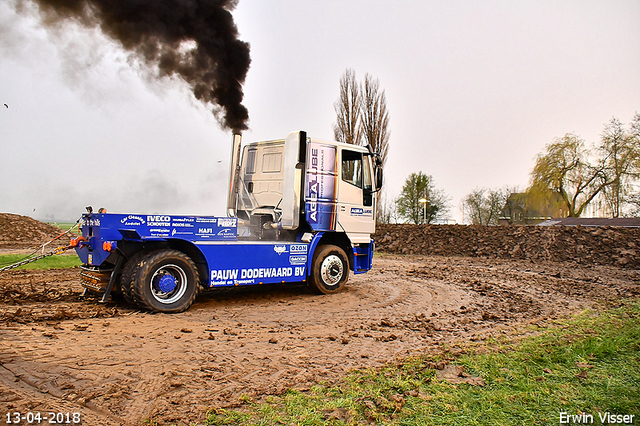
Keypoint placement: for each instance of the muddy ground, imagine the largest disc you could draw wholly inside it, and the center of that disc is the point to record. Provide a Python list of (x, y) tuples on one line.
[(60, 352)]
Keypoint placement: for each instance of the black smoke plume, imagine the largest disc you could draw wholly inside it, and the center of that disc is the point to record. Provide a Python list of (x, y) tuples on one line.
[(195, 40)]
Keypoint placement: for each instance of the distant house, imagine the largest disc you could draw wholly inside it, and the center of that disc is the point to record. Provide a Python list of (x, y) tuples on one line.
[(524, 209)]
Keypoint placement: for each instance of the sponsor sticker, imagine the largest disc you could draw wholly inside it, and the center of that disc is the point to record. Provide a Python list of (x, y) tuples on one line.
[(159, 232), (226, 233), (206, 219), (298, 248), (91, 222), (132, 220), (359, 211), (182, 225), (298, 260), (227, 222), (253, 275), (182, 219)]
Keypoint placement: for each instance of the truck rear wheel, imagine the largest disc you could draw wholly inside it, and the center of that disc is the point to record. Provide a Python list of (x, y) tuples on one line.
[(330, 269), (165, 281), (127, 275)]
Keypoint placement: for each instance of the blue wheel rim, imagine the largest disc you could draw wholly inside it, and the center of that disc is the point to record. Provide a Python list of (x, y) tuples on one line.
[(168, 284)]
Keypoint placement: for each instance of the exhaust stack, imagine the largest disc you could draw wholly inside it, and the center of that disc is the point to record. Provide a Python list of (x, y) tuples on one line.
[(234, 173)]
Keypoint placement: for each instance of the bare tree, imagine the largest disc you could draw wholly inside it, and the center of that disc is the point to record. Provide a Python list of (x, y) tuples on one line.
[(634, 204), (619, 152), (634, 133), (375, 124), (510, 197), (634, 199), (387, 210), (483, 206), (363, 119), (375, 117), (361, 114), (348, 110)]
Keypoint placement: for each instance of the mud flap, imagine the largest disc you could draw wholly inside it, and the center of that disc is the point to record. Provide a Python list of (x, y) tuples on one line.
[(114, 276)]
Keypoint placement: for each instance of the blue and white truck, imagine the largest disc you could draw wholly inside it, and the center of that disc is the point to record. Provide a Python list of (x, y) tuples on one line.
[(298, 210)]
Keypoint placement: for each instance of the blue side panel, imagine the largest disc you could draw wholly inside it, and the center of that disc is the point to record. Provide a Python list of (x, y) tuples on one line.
[(363, 258), (321, 216), (321, 185), (98, 228), (312, 249), (246, 263), (115, 227)]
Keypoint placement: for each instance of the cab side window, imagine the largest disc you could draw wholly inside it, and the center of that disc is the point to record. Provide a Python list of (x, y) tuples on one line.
[(367, 199), (352, 167)]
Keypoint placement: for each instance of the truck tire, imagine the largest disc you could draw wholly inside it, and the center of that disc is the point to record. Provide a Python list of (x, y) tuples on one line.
[(165, 281), (127, 275), (329, 269)]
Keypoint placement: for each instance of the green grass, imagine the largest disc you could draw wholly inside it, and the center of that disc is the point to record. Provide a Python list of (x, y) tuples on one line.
[(527, 383), (51, 262), (63, 226)]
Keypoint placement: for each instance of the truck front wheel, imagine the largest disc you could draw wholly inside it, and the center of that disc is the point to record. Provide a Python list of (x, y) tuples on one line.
[(165, 281), (330, 269)]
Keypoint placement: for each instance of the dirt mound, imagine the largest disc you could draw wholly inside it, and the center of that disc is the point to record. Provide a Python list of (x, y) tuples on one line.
[(583, 245), (18, 231)]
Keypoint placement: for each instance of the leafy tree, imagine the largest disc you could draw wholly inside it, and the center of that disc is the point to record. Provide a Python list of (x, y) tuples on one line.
[(483, 206), (420, 186), (564, 169)]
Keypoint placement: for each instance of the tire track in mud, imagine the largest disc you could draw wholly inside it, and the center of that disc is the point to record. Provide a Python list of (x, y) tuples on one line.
[(22, 391), (132, 365), (48, 296)]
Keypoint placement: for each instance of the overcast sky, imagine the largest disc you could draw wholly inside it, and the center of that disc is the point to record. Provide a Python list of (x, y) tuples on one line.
[(475, 89)]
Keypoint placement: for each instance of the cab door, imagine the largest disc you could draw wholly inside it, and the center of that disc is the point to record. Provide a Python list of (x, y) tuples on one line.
[(356, 199)]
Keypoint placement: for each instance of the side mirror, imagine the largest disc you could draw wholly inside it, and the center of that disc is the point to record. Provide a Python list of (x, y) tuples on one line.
[(379, 177)]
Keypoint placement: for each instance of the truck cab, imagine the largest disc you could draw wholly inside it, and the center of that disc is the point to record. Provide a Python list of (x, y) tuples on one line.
[(300, 182)]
